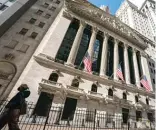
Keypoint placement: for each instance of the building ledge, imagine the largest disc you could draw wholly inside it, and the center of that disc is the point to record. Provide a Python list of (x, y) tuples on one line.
[(49, 62)]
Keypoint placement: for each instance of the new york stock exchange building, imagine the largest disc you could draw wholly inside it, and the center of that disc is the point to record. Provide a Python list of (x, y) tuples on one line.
[(58, 79)]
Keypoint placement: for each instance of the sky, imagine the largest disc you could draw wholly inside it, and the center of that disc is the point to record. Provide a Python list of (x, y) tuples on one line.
[(114, 4)]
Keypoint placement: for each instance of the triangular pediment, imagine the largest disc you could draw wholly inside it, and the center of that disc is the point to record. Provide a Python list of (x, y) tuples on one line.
[(90, 12)]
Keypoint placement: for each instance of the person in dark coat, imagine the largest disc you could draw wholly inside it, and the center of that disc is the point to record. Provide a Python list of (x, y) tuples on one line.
[(17, 106)]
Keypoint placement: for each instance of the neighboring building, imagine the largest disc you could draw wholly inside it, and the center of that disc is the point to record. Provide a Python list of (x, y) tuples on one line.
[(10, 12), (149, 8), (133, 17), (56, 77), (21, 40)]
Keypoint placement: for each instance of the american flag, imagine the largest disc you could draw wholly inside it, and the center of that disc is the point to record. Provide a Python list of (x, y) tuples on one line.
[(119, 73), (145, 83), (87, 62)]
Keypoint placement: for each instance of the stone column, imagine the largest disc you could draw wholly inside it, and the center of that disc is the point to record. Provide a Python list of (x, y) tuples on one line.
[(136, 69), (126, 64), (116, 58), (76, 44), (145, 69), (103, 65), (91, 43)]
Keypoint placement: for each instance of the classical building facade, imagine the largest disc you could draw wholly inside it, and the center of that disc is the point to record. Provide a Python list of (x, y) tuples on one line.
[(56, 76), (133, 17), (21, 40)]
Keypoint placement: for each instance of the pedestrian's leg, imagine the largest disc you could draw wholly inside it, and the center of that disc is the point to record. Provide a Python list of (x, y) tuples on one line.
[(3, 119), (13, 119)]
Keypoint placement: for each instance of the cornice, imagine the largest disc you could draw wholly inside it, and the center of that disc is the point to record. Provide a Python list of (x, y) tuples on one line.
[(91, 13), (44, 60)]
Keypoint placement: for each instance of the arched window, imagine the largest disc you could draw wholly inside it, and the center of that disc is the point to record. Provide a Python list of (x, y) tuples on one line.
[(147, 101), (125, 96), (75, 83), (136, 99), (94, 88), (110, 92), (53, 77)]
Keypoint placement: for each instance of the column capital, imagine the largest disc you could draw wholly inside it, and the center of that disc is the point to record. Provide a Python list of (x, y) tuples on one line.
[(95, 29), (106, 34), (67, 15), (83, 23), (134, 50), (126, 46), (116, 40)]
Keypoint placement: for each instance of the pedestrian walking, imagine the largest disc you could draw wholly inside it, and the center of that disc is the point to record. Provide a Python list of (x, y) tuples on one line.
[(17, 106)]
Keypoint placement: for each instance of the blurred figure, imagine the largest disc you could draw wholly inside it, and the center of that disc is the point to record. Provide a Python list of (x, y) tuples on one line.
[(17, 106)]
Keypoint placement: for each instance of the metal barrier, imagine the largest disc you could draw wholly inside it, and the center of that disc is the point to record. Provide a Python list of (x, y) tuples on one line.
[(80, 119)]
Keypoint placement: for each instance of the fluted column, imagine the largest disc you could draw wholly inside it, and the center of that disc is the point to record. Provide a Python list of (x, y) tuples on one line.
[(91, 43), (126, 64), (136, 69), (116, 58), (103, 65), (76, 44), (145, 69)]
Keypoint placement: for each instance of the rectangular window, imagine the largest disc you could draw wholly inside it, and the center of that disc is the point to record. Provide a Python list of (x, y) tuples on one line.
[(34, 35), (125, 114), (52, 8), (153, 65), (23, 31), (57, 2), (90, 115), (153, 81), (24, 48), (41, 24), (45, 5), (39, 12), (150, 116), (43, 104), (32, 20), (12, 44), (69, 109), (47, 16), (138, 115), (3, 7)]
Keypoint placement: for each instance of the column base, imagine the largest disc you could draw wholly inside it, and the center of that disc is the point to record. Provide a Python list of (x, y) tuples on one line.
[(69, 64), (103, 76)]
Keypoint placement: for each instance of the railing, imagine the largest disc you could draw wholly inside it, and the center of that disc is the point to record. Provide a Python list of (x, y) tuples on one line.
[(95, 93), (75, 89), (80, 119), (45, 81)]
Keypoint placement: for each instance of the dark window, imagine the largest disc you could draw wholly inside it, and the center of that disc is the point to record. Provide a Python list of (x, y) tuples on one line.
[(110, 92), (52, 8), (150, 63), (23, 31), (32, 20), (153, 65), (150, 116), (90, 115), (138, 115), (136, 99), (24, 48), (39, 12), (94, 88), (69, 109), (47, 16), (125, 96), (147, 101), (41, 24), (45, 5), (57, 2), (151, 70), (53, 77), (154, 81), (43, 104), (3, 7), (34, 35), (75, 83), (125, 114)]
